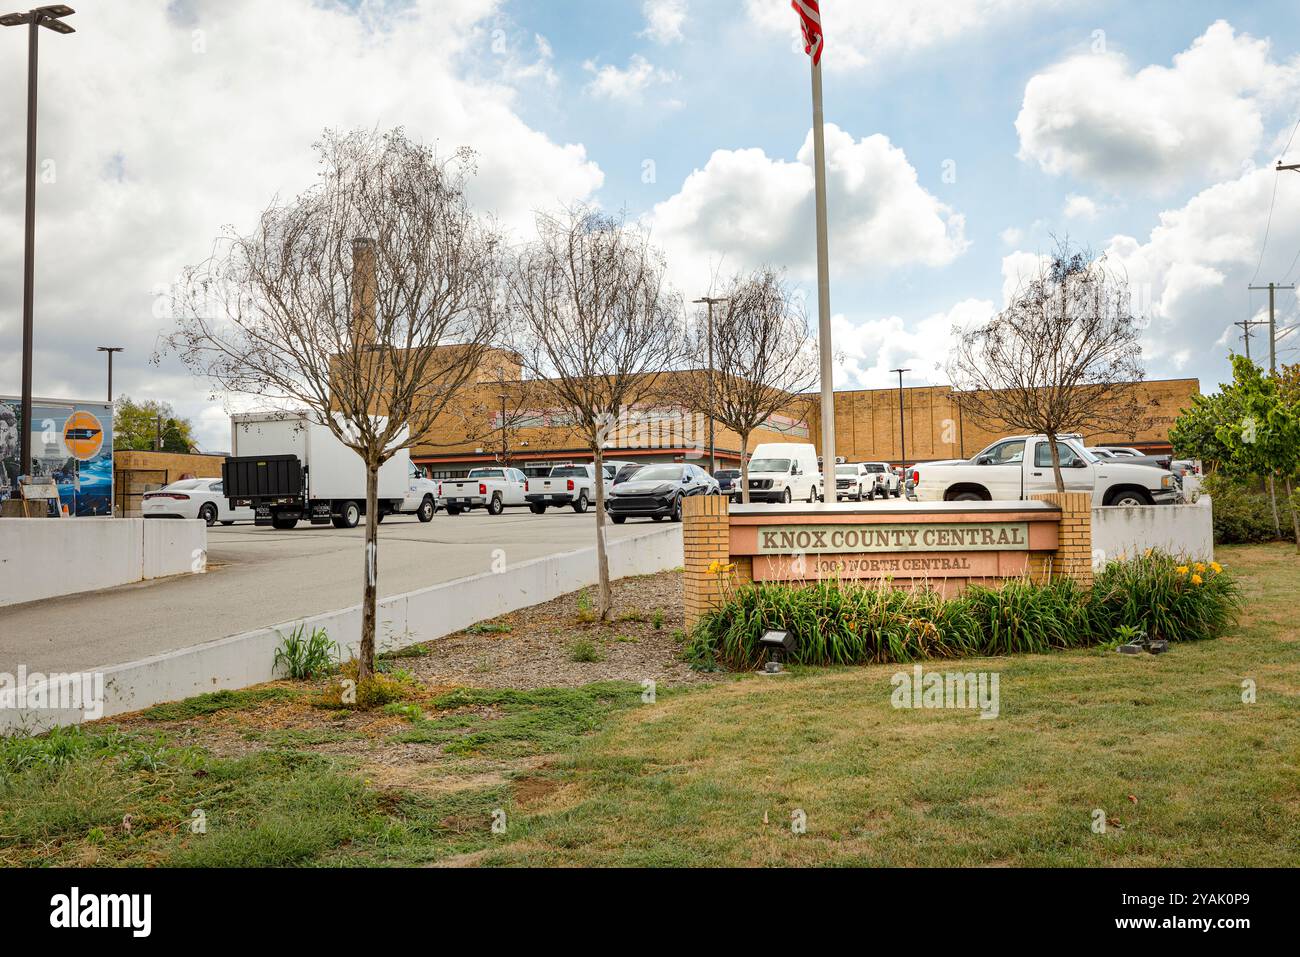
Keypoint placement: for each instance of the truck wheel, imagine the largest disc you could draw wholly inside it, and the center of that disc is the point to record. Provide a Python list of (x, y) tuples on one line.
[(537, 509), (284, 522), (1129, 498), (967, 497), (349, 516), (496, 506), (618, 519), (786, 497), (453, 509), (898, 492), (425, 512), (580, 505), (209, 514)]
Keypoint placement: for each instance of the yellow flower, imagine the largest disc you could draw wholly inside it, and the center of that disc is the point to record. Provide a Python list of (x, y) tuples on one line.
[(1200, 566), (1217, 567), (1196, 579), (1147, 553), (713, 567), (1181, 569)]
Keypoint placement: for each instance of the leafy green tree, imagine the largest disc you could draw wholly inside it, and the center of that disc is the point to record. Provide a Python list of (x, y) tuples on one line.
[(1265, 438), (138, 425)]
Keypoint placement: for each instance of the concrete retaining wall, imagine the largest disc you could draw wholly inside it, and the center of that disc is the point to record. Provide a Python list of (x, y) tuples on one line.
[(47, 557), (248, 659), (1186, 530)]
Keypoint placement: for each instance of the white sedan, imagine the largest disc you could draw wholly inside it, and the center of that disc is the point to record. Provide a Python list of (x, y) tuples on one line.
[(203, 498)]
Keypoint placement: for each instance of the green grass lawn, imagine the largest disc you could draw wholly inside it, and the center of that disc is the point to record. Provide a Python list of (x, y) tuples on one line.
[(1184, 771)]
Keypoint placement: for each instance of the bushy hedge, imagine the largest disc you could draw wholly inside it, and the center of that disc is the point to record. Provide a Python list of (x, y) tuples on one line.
[(847, 622), (1243, 514)]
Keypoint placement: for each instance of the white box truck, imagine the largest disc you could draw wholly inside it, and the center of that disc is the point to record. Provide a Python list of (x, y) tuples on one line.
[(288, 468)]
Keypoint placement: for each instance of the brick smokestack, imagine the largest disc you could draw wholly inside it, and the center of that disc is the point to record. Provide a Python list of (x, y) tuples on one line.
[(363, 291)]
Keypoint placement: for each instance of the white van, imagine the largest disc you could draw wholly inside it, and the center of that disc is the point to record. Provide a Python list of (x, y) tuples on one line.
[(785, 472)]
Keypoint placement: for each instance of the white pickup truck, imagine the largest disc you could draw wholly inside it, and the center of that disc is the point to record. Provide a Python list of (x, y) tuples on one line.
[(571, 485), (1014, 468), (494, 489)]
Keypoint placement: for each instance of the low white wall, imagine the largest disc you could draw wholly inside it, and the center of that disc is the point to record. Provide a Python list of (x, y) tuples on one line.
[(47, 557), (248, 659), (1186, 530)]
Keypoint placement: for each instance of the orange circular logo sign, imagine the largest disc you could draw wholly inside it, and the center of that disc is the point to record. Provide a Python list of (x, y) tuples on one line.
[(83, 435)]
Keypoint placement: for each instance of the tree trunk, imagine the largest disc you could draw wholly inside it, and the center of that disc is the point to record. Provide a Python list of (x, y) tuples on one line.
[(1272, 495), (606, 597), (744, 468), (1295, 513), (1056, 463), (366, 656)]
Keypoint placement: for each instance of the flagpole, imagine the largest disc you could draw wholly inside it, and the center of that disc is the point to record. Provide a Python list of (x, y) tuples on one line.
[(823, 292)]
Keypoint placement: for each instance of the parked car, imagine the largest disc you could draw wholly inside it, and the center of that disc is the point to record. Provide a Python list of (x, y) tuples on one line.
[(1136, 458), (494, 489), (203, 498), (728, 482), (1017, 467), (421, 496), (571, 485), (867, 480), (657, 492), (783, 472), (626, 472), (611, 469)]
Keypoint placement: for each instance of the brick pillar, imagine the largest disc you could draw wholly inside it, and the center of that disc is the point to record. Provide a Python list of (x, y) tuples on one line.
[(1073, 557), (706, 538)]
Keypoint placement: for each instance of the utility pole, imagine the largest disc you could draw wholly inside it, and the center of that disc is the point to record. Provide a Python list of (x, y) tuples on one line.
[(902, 421), (504, 452), (1246, 325), (51, 18), (110, 350), (1272, 318), (710, 301)]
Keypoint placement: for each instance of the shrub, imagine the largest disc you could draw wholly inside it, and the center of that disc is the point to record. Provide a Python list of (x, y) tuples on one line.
[(584, 650), (845, 623), (375, 692), (304, 657), (1243, 514)]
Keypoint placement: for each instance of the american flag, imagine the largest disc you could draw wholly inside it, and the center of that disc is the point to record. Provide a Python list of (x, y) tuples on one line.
[(810, 16)]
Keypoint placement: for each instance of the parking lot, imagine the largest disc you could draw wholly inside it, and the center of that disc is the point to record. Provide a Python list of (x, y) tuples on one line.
[(259, 577)]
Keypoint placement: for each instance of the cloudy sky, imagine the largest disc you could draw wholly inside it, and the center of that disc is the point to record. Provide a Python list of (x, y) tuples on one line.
[(962, 137)]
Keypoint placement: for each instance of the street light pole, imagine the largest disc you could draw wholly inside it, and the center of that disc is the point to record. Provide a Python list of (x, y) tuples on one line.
[(502, 396), (110, 350), (902, 421), (50, 18), (709, 301)]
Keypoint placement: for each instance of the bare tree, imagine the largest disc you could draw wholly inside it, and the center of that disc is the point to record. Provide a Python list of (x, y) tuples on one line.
[(596, 327), (763, 357), (367, 302), (1063, 357)]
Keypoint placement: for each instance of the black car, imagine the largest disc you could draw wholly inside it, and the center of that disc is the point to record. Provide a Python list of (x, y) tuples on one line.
[(657, 491), (728, 481)]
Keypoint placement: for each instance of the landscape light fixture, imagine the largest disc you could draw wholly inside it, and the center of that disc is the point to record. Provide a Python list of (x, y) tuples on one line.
[(49, 17), (777, 644)]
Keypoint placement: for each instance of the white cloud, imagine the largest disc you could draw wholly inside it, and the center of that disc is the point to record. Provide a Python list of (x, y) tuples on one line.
[(1092, 117), (1190, 274), (751, 208), (860, 33), (612, 83), (165, 125), (1080, 207), (1011, 236), (870, 349), (664, 20)]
